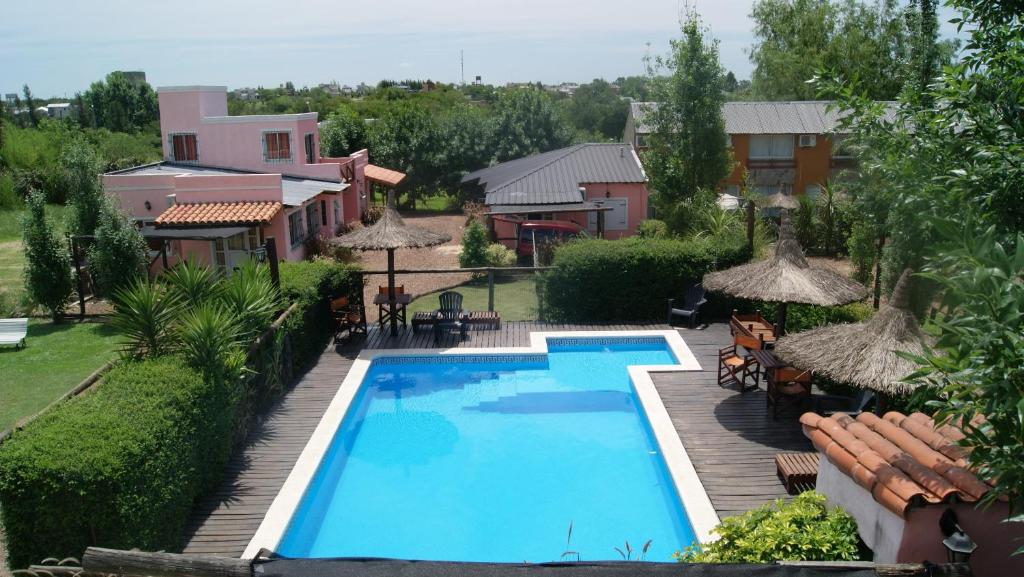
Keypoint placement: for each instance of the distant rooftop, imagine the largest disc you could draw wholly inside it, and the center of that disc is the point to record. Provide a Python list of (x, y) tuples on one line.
[(297, 190), (555, 177), (792, 117)]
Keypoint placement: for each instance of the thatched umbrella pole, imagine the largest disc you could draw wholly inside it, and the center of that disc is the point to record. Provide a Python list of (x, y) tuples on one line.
[(392, 298)]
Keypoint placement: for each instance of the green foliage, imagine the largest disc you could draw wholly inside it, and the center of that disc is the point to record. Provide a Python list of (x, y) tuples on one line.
[(119, 254), (595, 107), (212, 342), (977, 366), (81, 170), (312, 284), (500, 255), (804, 529), (249, 297), (48, 263), (652, 228), (119, 467), (196, 283), (871, 42), (121, 105), (804, 225), (861, 248), (9, 198), (474, 246), (527, 123), (144, 314), (630, 279), (342, 133), (688, 144)]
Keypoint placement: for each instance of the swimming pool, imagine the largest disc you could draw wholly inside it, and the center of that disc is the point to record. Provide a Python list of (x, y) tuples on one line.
[(479, 456)]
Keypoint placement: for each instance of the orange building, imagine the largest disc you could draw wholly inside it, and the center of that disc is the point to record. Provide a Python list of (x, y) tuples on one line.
[(784, 146)]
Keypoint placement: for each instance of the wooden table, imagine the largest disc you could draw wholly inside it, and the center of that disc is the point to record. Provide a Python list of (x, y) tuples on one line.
[(767, 360), (384, 311)]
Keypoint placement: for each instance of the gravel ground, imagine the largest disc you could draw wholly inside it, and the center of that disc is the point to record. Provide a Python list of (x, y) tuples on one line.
[(445, 256)]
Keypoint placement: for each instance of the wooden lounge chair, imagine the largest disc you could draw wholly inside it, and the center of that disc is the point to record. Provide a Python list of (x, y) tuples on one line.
[(736, 367), (753, 325), (450, 316), (690, 310), (13, 332), (349, 319), (797, 471), (787, 386)]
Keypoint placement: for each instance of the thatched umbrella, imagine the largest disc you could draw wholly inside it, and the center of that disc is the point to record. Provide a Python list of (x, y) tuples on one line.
[(390, 233), (786, 278), (778, 200), (863, 354)]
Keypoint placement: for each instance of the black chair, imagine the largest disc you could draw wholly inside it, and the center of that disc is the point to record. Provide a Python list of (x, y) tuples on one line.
[(827, 405), (692, 302), (450, 316)]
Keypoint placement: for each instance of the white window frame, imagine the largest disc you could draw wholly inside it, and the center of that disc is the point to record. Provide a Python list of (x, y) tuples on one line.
[(812, 141), (291, 146), (771, 146), (170, 146)]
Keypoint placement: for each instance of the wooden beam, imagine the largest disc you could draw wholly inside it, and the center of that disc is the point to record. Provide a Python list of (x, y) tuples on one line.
[(141, 564)]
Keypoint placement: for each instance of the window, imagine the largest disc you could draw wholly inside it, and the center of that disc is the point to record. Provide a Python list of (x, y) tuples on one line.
[(277, 147), (323, 212), (728, 140), (812, 191), (310, 150), (313, 217), (184, 148), (808, 140), (337, 213), (771, 146), (295, 232), (641, 141), (840, 148)]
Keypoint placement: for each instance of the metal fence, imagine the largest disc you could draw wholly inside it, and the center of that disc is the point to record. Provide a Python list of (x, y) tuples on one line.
[(514, 292)]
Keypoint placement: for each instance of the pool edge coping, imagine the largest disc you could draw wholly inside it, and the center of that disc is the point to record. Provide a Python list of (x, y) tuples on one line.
[(695, 500)]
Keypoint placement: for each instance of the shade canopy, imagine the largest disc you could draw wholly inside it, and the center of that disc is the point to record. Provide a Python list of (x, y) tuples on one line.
[(863, 354), (778, 200), (389, 233), (786, 277)]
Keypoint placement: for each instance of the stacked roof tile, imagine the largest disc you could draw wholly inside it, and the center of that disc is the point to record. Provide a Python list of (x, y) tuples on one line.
[(903, 461), (219, 213)]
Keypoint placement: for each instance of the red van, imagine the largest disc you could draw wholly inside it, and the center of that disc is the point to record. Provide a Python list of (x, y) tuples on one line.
[(545, 231)]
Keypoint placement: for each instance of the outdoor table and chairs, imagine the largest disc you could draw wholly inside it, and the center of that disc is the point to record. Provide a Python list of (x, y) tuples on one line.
[(384, 311), (787, 386)]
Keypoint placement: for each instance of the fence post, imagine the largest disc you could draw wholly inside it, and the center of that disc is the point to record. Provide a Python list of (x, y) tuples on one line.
[(490, 289)]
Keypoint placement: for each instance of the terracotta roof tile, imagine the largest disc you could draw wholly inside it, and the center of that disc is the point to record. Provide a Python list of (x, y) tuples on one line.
[(219, 213), (382, 175), (903, 461)]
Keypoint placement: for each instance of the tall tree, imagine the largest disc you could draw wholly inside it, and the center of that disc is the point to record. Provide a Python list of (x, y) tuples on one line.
[(31, 104), (121, 105), (527, 123), (595, 107), (688, 149), (868, 41), (118, 257), (47, 262), (81, 168), (343, 133)]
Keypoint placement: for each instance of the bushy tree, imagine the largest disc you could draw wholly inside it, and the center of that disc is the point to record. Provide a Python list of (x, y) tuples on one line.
[(474, 246), (30, 103), (121, 105), (526, 122), (81, 169), (47, 261), (119, 254), (688, 144), (596, 108), (343, 133)]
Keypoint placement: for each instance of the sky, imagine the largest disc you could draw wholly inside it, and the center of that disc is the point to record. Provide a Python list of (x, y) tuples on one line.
[(59, 47)]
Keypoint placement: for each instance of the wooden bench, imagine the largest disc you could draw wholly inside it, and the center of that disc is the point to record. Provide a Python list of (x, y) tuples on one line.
[(491, 319), (797, 471), (423, 319), (752, 325), (13, 332)]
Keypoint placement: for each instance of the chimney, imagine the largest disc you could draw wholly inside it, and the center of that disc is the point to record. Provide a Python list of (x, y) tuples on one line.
[(622, 152), (171, 199)]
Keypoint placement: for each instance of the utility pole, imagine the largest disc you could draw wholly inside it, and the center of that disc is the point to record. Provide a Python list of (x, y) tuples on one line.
[(462, 66)]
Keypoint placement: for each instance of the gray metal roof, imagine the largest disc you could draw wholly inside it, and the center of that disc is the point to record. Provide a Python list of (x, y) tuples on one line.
[(295, 189), (585, 206), (555, 177), (794, 117)]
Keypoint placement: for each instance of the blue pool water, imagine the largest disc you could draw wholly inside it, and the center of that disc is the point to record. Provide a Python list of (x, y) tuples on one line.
[(490, 458)]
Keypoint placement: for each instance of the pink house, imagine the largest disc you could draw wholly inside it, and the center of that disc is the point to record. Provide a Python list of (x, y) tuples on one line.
[(229, 183), (601, 187)]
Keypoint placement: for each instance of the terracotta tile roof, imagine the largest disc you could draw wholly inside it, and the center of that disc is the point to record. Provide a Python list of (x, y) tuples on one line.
[(384, 176), (901, 460), (217, 213)]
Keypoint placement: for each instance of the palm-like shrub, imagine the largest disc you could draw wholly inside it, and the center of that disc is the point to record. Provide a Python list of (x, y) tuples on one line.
[(212, 342), (249, 295), (144, 313), (195, 282)]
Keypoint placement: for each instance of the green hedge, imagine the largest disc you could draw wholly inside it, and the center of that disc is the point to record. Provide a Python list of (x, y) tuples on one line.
[(119, 467), (798, 317), (312, 284), (630, 279)]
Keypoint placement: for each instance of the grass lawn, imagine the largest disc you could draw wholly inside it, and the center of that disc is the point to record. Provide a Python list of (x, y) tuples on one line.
[(12, 258), (514, 299), (54, 360)]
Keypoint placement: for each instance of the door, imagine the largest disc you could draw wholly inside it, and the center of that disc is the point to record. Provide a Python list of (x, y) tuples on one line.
[(615, 219), (232, 252)]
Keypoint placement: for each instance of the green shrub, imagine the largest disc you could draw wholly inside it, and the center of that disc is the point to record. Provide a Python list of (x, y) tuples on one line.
[(630, 279), (119, 254), (798, 317), (500, 255), (652, 228), (119, 467), (312, 284), (47, 262), (474, 246), (804, 529)]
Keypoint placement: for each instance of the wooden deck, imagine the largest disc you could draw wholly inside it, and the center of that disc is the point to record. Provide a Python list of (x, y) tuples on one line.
[(728, 435)]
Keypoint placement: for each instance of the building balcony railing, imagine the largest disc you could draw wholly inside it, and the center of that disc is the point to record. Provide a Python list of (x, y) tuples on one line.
[(771, 163)]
